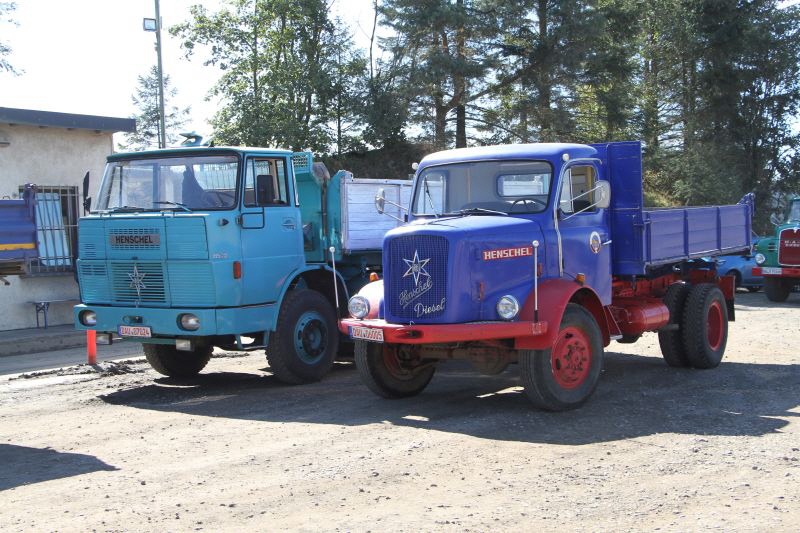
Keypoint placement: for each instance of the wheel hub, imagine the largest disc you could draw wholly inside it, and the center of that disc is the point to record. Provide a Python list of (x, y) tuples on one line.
[(311, 337), (714, 326), (571, 358)]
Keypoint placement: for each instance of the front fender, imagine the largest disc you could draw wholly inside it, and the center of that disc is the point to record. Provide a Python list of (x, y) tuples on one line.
[(373, 292), (554, 295)]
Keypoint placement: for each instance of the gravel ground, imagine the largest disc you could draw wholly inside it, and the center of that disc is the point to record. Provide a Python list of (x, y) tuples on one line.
[(656, 448)]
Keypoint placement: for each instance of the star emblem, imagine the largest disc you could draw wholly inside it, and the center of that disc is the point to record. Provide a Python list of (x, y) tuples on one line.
[(137, 281), (416, 267)]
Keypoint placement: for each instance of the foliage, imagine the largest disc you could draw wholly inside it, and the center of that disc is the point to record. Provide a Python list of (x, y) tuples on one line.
[(6, 8), (712, 87), (147, 119), (283, 66)]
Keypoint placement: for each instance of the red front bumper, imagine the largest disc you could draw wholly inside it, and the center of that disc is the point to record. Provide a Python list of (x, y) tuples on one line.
[(777, 272), (443, 333)]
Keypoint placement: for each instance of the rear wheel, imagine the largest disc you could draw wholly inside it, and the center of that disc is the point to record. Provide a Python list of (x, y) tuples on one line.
[(705, 326), (564, 376), (671, 340), (392, 370), (777, 289), (305, 340), (176, 363)]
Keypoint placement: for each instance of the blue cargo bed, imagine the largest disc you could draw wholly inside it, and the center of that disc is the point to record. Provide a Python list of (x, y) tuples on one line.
[(644, 238)]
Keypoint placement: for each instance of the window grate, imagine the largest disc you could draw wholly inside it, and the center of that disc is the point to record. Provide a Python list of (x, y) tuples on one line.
[(56, 229)]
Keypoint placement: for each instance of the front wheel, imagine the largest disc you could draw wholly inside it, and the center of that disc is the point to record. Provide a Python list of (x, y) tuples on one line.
[(176, 363), (305, 340), (392, 370), (564, 376), (777, 289)]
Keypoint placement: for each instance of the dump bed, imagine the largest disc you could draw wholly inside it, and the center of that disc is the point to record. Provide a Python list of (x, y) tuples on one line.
[(363, 227), (17, 232), (646, 238)]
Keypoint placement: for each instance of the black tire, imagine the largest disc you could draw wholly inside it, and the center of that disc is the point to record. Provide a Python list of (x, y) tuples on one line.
[(629, 339), (705, 326), (777, 289), (386, 374), (305, 340), (554, 387), (671, 340), (176, 363)]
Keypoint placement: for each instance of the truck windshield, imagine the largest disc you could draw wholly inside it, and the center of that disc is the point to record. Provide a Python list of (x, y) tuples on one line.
[(794, 211), (200, 182), (480, 187)]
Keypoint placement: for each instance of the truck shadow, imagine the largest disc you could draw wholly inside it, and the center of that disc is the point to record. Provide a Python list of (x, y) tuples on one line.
[(23, 465), (637, 396), (745, 301)]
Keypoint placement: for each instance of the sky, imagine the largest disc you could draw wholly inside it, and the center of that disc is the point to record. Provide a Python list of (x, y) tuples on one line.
[(84, 56)]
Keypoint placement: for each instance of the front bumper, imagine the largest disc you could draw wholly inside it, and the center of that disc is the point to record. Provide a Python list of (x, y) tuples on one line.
[(445, 333), (777, 272), (164, 322)]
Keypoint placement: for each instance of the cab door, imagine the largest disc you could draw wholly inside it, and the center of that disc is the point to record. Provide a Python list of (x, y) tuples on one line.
[(272, 246), (584, 229)]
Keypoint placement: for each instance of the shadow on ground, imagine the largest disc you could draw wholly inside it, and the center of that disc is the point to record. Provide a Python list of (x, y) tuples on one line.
[(22, 465), (637, 396)]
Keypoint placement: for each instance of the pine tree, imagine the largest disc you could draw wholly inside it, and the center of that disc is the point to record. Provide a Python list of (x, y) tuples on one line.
[(147, 119)]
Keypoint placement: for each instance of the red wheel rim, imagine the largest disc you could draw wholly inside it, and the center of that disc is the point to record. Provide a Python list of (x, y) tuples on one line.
[(714, 326), (571, 358)]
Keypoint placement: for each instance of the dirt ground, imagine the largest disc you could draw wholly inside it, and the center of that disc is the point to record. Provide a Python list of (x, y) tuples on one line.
[(656, 448)]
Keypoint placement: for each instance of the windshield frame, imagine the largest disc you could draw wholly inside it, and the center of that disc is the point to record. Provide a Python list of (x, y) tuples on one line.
[(112, 160), (419, 184)]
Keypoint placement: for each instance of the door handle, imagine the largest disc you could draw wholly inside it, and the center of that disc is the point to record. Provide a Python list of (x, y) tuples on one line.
[(288, 223)]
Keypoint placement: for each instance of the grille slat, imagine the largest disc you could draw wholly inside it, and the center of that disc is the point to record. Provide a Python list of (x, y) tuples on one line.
[(789, 251), (418, 277), (150, 276)]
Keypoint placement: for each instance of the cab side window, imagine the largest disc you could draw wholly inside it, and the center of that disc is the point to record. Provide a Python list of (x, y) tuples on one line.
[(576, 191), (276, 170)]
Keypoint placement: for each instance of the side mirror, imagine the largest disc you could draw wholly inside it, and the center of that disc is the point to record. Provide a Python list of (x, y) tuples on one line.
[(776, 219), (87, 201), (380, 201), (603, 194)]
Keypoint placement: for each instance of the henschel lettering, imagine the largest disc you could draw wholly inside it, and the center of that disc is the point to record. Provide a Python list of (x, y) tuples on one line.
[(406, 297)]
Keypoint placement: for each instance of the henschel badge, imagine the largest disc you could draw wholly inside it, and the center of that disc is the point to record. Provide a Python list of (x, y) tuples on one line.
[(595, 243), (422, 279)]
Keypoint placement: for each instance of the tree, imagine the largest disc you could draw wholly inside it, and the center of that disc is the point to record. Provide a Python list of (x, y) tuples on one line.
[(147, 119), (6, 8), (443, 44), (280, 61)]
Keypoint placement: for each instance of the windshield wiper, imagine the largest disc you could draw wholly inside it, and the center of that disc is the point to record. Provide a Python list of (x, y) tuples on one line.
[(178, 204), (480, 211), (428, 195), (125, 208)]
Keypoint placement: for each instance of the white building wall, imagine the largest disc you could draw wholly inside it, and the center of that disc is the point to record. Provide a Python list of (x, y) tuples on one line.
[(46, 156)]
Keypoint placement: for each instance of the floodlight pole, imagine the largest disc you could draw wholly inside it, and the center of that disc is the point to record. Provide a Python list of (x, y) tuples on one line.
[(162, 135)]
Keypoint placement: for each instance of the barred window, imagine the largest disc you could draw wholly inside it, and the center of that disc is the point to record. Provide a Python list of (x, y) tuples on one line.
[(56, 229)]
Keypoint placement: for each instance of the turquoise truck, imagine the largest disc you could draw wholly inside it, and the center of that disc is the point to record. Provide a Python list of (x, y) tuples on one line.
[(778, 257), (192, 248)]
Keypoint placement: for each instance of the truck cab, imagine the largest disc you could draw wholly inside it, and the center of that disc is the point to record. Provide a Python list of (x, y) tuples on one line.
[(539, 255), (196, 247), (778, 257)]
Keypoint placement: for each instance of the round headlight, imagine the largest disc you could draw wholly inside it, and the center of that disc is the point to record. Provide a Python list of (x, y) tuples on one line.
[(507, 307), (190, 322), (760, 259), (88, 318), (358, 307)]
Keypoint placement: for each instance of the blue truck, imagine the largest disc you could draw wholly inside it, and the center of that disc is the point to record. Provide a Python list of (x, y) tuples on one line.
[(540, 255), (18, 238), (195, 247)]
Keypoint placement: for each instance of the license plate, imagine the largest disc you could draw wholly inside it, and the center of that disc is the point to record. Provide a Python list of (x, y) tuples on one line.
[(367, 334), (134, 331), (772, 270)]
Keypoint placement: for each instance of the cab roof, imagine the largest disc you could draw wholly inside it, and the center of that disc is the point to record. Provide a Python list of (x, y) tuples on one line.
[(547, 151), (187, 150)]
